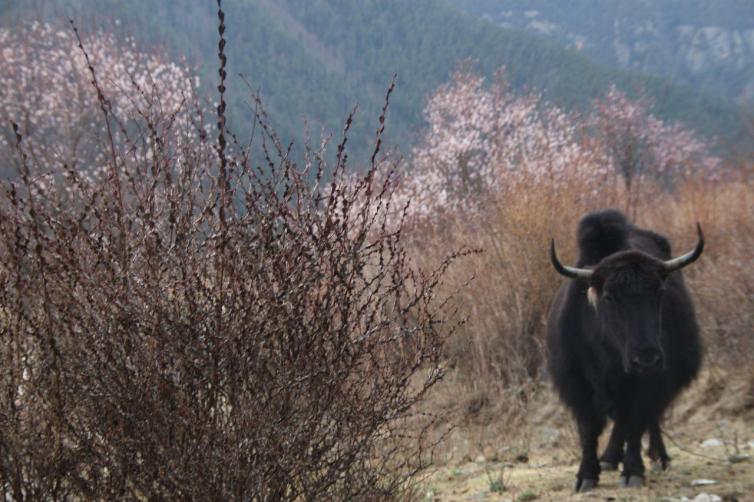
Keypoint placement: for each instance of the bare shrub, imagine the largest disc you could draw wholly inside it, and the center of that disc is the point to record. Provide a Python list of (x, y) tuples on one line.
[(193, 326)]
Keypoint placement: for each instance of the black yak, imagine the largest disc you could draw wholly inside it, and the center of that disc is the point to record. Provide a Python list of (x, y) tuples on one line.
[(622, 341)]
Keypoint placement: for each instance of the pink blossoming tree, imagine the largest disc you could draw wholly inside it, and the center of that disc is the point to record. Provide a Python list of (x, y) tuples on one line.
[(480, 138), (48, 92)]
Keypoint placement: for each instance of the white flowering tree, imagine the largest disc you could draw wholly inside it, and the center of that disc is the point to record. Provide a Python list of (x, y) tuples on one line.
[(480, 138), (47, 89), (638, 143)]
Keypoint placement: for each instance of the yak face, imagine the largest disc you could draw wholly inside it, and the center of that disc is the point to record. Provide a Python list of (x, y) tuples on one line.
[(626, 288), (627, 291)]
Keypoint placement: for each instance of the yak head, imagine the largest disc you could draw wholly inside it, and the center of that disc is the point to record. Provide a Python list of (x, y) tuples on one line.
[(626, 290)]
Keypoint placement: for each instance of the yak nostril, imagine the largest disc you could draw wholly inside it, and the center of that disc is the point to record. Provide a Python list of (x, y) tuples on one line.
[(646, 358)]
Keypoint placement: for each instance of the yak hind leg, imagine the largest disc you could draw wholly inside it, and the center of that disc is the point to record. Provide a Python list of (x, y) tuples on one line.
[(614, 451), (657, 452), (633, 466)]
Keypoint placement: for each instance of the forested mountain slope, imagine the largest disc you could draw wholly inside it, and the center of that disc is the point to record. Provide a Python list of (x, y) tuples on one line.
[(707, 44), (314, 59)]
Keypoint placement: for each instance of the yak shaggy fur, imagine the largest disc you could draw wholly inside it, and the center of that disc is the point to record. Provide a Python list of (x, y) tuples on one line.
[(598, 333)]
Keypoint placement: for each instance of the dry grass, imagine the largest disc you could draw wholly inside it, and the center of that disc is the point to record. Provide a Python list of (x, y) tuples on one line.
[(497, 356)]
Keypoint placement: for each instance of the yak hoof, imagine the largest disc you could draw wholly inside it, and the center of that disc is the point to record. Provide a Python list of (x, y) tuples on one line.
[(660, 465), (632, 481), (584, 485), (608, 466)]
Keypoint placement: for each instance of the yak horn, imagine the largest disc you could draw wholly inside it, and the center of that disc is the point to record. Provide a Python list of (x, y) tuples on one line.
[(690, 257), (572, 272)]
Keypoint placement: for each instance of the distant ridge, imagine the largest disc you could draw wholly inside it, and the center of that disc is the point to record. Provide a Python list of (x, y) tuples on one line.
[(706, 44)]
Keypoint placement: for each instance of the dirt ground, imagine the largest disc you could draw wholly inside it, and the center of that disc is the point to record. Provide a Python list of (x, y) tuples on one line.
[(709, 435)]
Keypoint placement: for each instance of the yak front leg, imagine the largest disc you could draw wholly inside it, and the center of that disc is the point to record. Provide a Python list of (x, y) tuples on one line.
[(590, 425), (657, 452)]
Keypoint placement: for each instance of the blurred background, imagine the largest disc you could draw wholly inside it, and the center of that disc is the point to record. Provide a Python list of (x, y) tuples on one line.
[(314, 60)]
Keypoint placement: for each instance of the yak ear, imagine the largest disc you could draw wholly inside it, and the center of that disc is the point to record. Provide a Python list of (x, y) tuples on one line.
[(592, 296), (595, 288)]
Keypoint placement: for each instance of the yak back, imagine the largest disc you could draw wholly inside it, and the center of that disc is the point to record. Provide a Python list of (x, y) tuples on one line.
[(603, 233)]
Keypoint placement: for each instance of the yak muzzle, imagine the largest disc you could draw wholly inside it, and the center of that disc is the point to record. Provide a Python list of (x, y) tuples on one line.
[(645, 361)]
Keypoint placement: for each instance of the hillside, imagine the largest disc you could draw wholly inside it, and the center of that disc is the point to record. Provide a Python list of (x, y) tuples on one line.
[(314, 60), (708, 45)]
